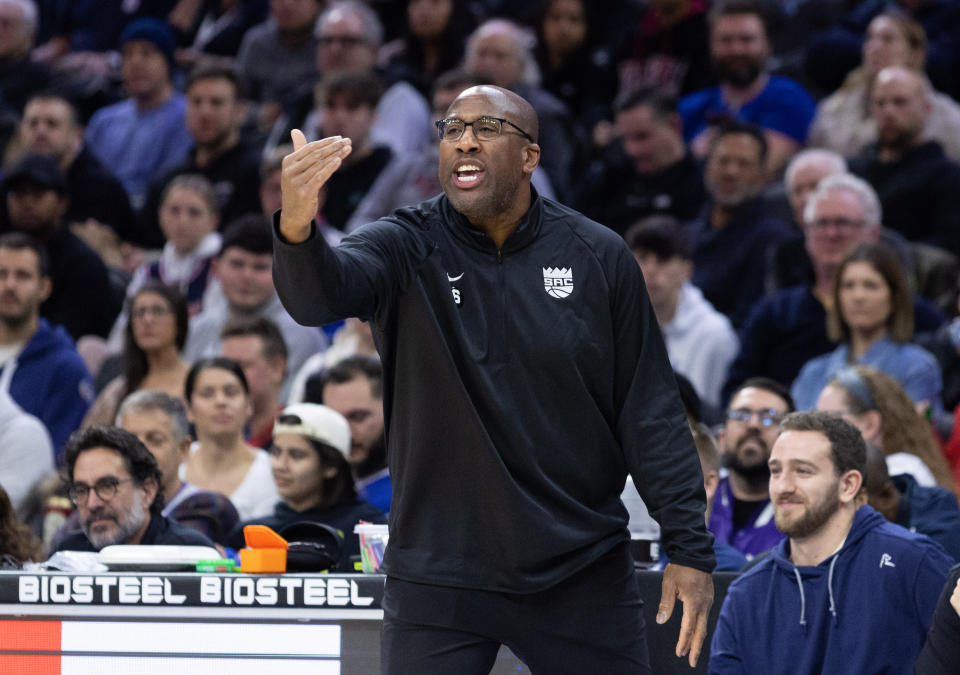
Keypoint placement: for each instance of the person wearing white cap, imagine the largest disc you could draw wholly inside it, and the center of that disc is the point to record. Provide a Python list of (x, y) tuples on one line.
[(308, 457)]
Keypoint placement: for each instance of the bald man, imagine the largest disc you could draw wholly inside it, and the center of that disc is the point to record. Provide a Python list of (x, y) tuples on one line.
[(918, 186), (524, 375)]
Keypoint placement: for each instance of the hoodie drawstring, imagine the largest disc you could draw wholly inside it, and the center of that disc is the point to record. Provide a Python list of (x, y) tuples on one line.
[(833, 609), (803, 600)]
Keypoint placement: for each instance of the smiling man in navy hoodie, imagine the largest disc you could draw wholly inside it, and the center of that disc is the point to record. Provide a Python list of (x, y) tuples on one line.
[(847, 592)]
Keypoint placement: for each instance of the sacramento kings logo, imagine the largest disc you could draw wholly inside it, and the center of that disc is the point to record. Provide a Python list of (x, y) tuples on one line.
[(558, 281)]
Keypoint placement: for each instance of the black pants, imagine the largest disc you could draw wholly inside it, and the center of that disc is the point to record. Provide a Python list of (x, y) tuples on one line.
[(590, 623)]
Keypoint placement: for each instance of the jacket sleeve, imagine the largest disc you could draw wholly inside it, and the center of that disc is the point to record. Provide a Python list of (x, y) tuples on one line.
[(652, 427), (941, 653), (319, 284)]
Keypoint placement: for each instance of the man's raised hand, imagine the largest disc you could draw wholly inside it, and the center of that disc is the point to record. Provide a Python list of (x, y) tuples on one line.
[(305, 171)]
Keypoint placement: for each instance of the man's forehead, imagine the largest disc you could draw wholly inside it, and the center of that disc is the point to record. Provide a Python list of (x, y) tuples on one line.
[(844, 201), (801, 446), (480, 101), (235, 253), (146, 421), (341, 21), (738, 23), (47, 108), (356, 391), (100, 461), (757, 396), (20, 258), (897, 80), (245, 346)]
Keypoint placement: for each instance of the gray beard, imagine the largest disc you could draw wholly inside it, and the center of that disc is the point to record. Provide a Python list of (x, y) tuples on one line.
[(127, 526)]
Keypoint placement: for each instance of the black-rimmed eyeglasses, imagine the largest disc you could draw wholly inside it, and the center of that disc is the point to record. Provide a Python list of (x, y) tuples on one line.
[(106, 489), (767, 417), (484, 128)]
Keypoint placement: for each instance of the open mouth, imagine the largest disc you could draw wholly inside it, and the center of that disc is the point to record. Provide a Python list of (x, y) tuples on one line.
[(467, 175)]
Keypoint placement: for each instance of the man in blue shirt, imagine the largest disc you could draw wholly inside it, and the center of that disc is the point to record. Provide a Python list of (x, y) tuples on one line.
[(144, 135), (747, 92)]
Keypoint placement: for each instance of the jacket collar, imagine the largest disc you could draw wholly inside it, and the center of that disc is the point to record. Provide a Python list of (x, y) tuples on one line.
[(526, 231)]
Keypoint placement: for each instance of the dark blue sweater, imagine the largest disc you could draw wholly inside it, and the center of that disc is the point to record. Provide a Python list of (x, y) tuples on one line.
[(931, 511)]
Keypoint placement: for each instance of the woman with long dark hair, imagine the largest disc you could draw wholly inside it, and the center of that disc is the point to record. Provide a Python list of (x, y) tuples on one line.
[(153, 341), (573, 67), (432, 42)]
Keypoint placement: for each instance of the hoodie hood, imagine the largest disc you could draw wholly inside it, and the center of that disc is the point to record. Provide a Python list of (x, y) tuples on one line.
[(865, 609), (865, 519), (46, 340), (692, 307)]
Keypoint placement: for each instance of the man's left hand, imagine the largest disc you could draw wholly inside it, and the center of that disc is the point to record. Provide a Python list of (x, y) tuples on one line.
[(695, 590)]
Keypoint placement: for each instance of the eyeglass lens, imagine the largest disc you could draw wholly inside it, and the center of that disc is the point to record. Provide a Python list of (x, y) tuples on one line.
[(105, 489)]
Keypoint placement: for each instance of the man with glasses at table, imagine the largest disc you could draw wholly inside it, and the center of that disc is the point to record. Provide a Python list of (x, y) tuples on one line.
[(116, 485), (742, 513), (524, 375)]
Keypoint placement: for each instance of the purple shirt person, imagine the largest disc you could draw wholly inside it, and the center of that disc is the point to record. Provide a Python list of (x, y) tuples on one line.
[(742, 514), (759, 534)]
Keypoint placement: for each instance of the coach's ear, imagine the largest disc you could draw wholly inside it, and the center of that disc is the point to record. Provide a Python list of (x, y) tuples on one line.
[(531, 158)]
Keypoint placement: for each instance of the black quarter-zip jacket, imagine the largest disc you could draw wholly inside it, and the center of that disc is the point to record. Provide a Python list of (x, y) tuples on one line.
[(521, 385)]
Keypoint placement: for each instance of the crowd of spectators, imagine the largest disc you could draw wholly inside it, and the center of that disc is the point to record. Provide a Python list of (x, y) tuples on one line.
[(787, 175)]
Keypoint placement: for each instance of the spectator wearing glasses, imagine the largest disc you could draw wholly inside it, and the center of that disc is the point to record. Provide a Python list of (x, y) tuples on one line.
[(785, 330), (742, 514), (349, 35), (154, 338), (116, 485)]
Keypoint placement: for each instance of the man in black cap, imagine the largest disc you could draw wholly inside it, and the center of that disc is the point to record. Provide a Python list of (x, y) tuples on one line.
[(145, 135), (34, 191)]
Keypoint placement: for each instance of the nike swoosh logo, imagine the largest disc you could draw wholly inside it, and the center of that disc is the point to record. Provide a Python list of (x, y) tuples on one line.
[(451, 279)]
